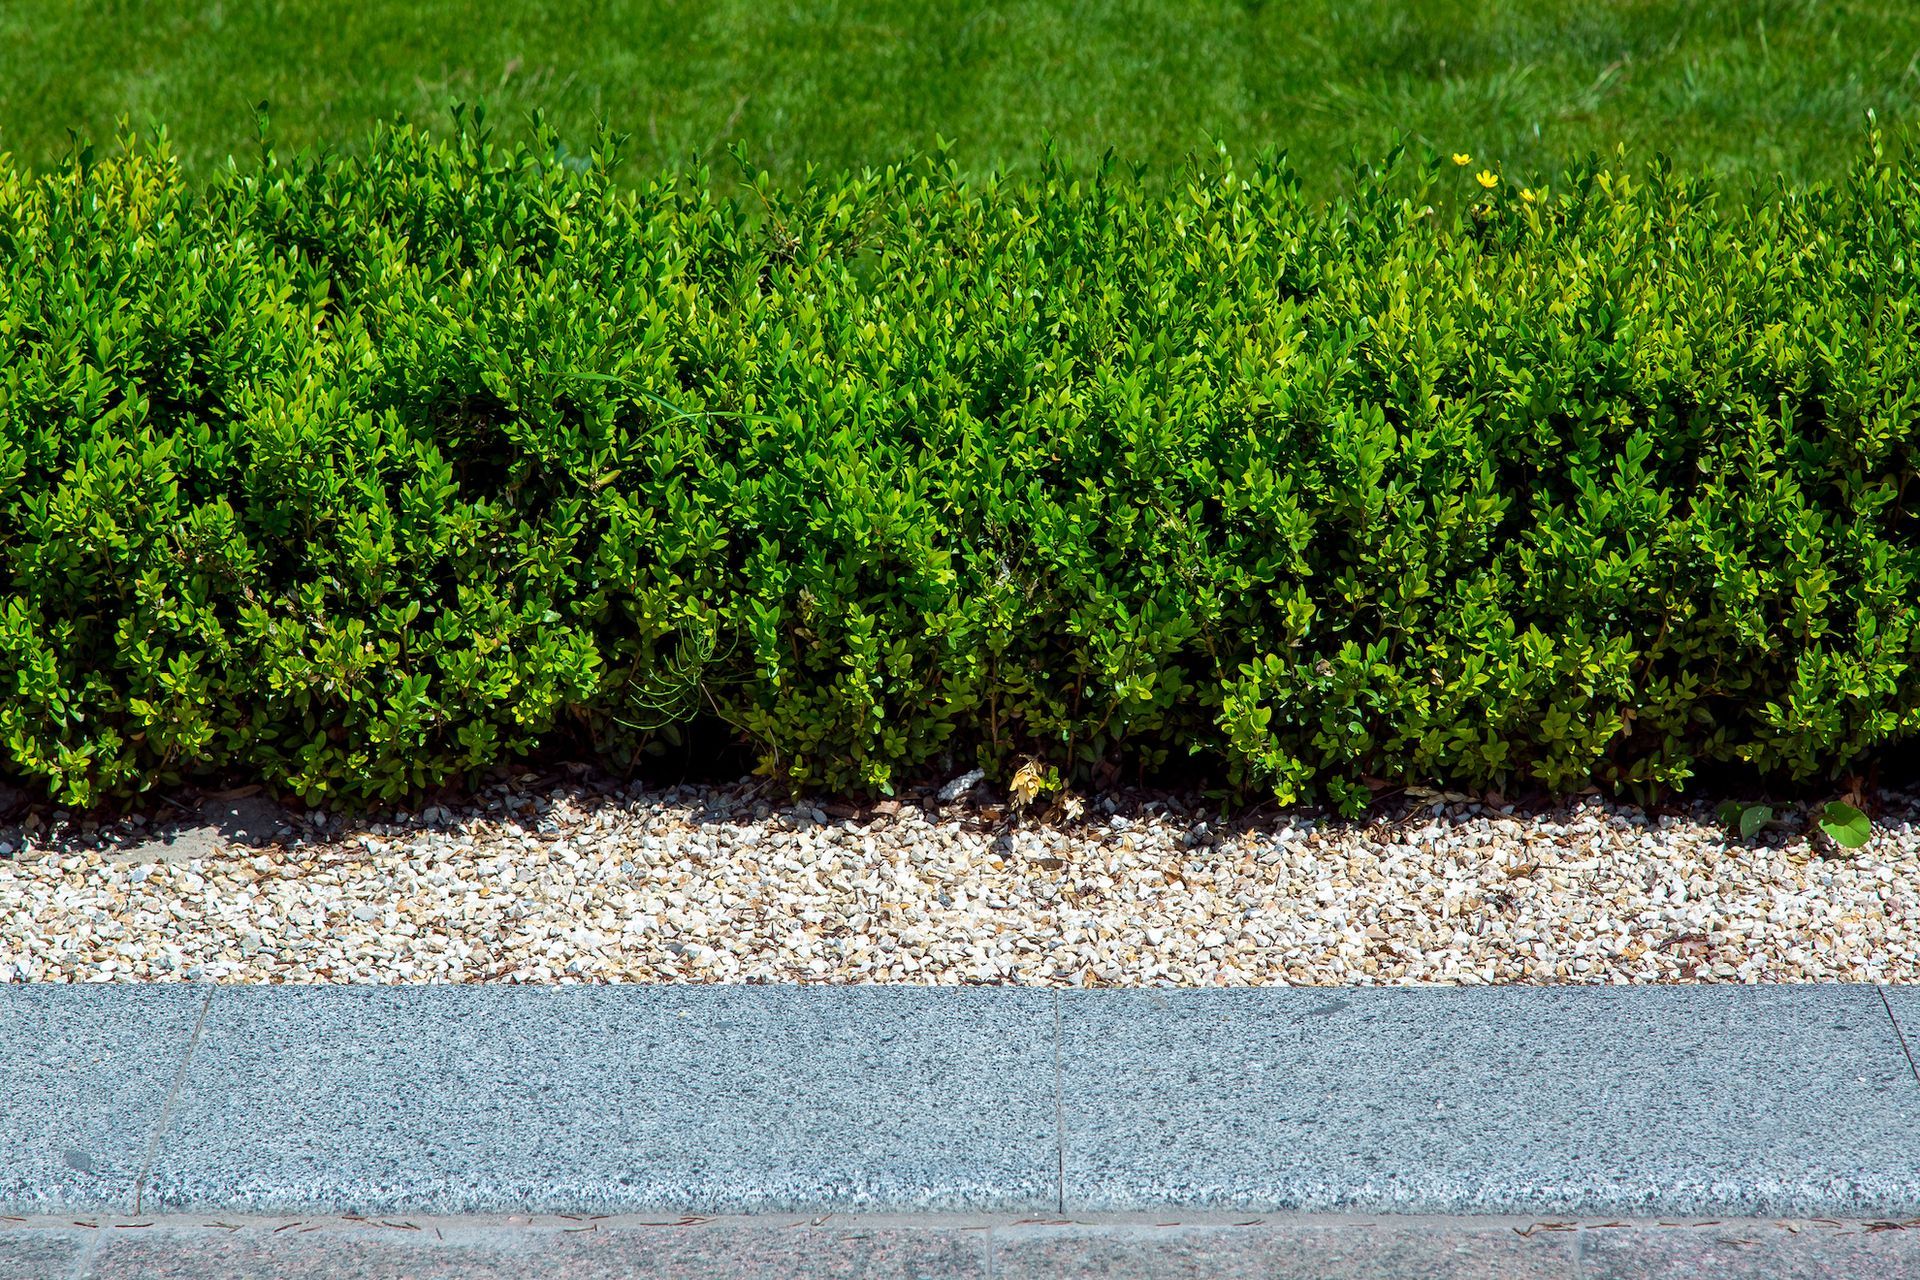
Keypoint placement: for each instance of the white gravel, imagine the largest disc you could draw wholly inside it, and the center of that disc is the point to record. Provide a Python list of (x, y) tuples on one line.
[(564, 884)]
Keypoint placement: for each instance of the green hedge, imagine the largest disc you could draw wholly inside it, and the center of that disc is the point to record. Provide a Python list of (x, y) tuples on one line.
[(356, 475)]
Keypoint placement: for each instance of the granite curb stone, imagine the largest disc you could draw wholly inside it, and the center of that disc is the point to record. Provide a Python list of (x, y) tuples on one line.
[(1577, 1100), (85, 1073), (1903, 1007), (595, 1100), (1794, 1101)]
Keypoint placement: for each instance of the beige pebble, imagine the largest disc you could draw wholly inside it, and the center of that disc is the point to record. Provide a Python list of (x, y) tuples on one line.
[(710, 885)]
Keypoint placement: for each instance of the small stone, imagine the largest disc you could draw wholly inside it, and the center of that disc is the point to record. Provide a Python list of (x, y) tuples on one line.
[(704, 885), (961, 785)]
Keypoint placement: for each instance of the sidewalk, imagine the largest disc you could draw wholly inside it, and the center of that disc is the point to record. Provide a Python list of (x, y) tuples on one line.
[(949, 1247), (1594, 1104)]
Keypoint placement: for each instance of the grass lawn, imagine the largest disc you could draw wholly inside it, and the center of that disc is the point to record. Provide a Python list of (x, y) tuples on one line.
[(1741, 86)]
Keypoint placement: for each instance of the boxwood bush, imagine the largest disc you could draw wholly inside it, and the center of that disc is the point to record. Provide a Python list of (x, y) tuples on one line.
[(355, 475)]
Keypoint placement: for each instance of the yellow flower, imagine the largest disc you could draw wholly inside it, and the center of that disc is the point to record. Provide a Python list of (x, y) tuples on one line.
[(1529, 194), (1461, 157), (1487, 178)]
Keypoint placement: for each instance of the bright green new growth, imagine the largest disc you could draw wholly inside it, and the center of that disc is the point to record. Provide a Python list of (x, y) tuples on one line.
[(1845, 825), (355, 475)]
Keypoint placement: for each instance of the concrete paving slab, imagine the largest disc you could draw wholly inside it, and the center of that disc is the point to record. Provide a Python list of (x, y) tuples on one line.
[(174, 844), (1759, 1101), (84, 1074), (242, 819), (601, 1099)]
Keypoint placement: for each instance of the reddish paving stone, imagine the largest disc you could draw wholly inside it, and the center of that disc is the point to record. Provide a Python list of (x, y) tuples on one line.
[(898, 1253), (40, 1255), (1750, 1251), (954, 1249), (1360, 1252), (699, 1252)]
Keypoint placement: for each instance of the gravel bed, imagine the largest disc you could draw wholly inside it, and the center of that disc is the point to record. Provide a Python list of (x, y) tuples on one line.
[(576, 882)]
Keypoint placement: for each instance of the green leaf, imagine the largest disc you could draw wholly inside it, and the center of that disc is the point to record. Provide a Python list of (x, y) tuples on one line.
[(1754, 817), (1845, 825)]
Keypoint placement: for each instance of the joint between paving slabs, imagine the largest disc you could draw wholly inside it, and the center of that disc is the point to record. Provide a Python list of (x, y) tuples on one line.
[(1059, 1117), (83, 1260), (166, 1108)]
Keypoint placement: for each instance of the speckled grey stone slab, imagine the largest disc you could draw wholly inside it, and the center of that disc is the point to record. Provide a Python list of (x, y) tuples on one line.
[(1903, 1005), (737, 1099), (1695, 1100), (84, 1074)]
